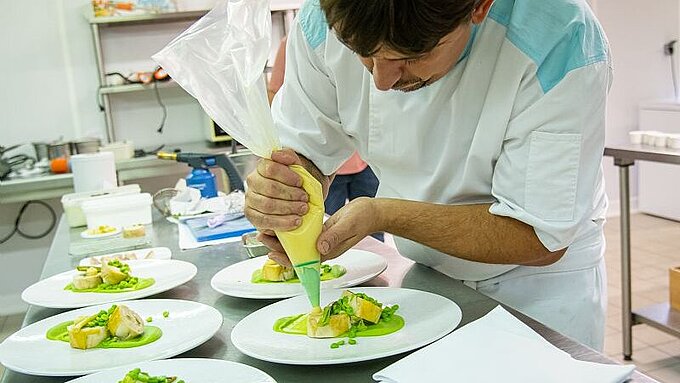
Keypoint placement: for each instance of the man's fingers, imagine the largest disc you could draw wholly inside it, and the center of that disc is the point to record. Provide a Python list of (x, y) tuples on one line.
[(275, 189), (275, 206), (272, 222), (333, 240), (279, 172), (280, 258), (286, 157), (271, 242)]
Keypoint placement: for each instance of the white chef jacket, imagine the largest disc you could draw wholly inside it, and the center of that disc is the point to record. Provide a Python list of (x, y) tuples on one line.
[(518, 123)]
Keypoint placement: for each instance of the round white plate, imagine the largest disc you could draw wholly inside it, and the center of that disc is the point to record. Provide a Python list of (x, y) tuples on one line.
[(235, 281), (190, 370), (189, 325), (162, 253), (428, 317), (87, 235), (167, 274)]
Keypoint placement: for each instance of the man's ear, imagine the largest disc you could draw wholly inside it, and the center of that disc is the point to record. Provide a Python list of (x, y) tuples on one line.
[(482, 10)]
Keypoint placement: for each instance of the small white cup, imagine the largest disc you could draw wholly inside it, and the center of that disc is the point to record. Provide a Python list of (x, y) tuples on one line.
[(673, 141), (660, 140), (649, 137), (636, 136)]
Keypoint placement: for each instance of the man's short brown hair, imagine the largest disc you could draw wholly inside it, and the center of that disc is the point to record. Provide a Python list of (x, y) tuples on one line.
[(410, 27)]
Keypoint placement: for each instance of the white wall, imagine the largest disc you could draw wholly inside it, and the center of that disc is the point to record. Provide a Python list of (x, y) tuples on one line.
[(637, 32)]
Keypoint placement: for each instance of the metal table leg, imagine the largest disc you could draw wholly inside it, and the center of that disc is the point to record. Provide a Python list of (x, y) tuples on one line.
[(627, 316)]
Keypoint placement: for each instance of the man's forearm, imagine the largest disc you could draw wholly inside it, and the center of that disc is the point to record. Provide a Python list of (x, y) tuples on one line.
[(466, 231)]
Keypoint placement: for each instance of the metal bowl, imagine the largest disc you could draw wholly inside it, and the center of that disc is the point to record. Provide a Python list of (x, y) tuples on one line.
[(254, 247)]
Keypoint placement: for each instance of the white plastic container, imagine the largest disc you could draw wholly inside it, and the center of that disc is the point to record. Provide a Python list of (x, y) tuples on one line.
[(93, 172), (72, 203), (119, 211)]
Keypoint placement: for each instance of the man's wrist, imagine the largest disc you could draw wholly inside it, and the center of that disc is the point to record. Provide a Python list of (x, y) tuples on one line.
[(316, 173), (380, 215)]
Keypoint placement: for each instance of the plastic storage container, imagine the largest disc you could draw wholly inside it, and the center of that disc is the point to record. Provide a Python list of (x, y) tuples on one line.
[(72, 203), (119, 211)]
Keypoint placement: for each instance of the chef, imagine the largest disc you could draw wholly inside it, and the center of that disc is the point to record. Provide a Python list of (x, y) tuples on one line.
[(484, 122)]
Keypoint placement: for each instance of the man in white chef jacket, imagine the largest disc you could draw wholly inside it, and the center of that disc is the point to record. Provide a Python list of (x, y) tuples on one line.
[(484, 121)]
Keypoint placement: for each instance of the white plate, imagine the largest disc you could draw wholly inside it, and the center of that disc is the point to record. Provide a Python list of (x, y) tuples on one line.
[(167, 275), (189, 325), (87, 235), (162, 253), (190, 370), (428, 317), (235, 281)]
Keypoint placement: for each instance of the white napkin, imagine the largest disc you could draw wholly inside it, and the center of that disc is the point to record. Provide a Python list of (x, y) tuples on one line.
[(187, 240), (497, 348)]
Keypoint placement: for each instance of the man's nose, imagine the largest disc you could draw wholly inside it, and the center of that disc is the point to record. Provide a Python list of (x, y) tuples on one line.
[(386, 73)]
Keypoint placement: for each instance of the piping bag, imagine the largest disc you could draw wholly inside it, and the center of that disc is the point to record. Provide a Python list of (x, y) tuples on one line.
[(219, 60)]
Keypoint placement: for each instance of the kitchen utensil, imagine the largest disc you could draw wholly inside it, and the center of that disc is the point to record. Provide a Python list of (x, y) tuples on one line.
[(41, 150), (58, 150), (86, 145)]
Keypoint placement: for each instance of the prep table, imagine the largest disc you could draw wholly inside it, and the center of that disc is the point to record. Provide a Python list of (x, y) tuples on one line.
[(401, 272), (659, 316)]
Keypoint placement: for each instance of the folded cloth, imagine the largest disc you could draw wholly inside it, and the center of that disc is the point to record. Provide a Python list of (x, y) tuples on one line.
[(498, 348)]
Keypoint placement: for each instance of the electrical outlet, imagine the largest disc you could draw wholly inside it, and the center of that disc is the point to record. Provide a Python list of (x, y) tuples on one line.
[(669, 48)]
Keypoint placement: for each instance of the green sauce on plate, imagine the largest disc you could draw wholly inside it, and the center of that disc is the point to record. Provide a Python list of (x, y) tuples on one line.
[(141, 284), (325, 276), (150, 335), (297, 325)]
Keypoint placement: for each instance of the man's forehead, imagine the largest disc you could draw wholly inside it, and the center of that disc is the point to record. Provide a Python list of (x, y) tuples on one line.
[(389, 54)]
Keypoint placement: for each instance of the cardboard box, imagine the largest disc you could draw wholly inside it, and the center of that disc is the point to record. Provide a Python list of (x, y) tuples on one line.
[(674, 287)]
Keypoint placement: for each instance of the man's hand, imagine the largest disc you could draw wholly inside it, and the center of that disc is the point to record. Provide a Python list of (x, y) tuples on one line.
[(349, 225), (275, 199)]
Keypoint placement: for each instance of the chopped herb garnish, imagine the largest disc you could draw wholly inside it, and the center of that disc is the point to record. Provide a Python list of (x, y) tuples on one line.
[(166, 314)]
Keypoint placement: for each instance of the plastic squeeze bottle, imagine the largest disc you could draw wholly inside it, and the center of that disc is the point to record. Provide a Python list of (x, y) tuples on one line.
[(300, 244)]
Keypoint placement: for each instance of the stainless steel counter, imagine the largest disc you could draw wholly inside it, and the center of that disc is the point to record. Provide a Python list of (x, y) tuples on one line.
[(401, 272)]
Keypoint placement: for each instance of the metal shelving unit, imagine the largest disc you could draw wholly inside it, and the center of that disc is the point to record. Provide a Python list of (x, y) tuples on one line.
[(113, 89), (97, 23)]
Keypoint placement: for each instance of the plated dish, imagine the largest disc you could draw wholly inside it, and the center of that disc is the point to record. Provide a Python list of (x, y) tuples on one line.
[(115, 327), (190, 370), (426, 317), (113, 276), (238, 279), (155, 277), (100, 232), (186, 325)]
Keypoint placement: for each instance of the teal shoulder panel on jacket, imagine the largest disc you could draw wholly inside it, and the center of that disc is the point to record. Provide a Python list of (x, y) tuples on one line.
[(313, 23), (559, 36)]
